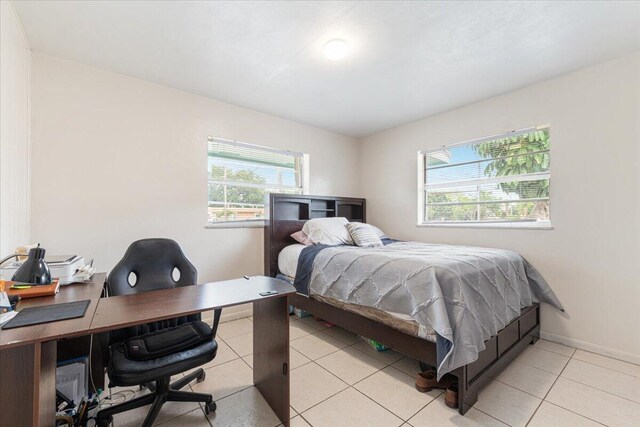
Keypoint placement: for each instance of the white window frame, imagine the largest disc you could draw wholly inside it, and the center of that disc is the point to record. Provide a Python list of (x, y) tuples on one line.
[(253, 223), (423, 222)]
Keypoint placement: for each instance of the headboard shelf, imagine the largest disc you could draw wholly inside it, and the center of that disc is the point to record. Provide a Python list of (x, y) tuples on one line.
[(287, 214)]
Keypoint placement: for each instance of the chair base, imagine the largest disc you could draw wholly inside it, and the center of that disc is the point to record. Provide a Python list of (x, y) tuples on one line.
[(162, 391)]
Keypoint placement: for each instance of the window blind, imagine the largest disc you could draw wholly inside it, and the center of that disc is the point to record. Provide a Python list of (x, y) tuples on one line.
[(241, 175), (499, 179)]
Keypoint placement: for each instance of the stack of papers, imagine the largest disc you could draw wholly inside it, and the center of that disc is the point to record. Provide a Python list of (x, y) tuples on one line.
[(5, 317), (83, 275)]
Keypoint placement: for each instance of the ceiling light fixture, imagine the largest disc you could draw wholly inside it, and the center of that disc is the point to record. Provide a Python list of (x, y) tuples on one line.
[(336, 49)]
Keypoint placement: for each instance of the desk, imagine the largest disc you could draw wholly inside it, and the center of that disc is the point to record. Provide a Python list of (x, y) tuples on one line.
[(27, 355), (55, 330)]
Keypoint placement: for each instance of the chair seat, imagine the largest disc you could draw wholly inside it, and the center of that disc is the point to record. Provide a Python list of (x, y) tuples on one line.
[(127, 372)]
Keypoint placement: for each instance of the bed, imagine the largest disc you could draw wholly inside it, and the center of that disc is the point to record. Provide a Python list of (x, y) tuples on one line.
[(288, 214)]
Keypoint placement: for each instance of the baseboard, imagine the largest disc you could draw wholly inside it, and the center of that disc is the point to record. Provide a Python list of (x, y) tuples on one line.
[(593, 348), (229, 315)]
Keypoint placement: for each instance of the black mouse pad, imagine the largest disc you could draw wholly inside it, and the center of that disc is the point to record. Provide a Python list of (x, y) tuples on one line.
[(48, 313)]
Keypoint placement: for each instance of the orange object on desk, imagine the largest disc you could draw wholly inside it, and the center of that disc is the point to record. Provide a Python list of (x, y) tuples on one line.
[(34, 290)]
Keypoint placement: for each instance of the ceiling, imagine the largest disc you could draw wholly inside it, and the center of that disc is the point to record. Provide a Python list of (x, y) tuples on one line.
[(408, 59)]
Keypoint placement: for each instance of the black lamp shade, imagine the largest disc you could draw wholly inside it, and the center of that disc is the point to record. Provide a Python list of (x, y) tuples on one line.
[(34, 270)]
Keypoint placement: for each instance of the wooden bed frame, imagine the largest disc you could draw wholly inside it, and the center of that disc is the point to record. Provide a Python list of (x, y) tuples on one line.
[(288, 213)]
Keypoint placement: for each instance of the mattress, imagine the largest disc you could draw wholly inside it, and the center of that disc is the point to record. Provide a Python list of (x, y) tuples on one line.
[(288, 263)]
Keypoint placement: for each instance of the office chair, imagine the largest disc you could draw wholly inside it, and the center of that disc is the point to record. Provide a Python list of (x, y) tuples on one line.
[(148, 355)]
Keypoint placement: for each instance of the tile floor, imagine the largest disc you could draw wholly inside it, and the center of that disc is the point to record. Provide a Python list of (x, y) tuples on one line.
[(338, 380)]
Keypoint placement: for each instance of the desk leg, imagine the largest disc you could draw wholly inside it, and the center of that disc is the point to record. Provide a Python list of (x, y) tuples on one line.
[(28, 385), (271, 354)]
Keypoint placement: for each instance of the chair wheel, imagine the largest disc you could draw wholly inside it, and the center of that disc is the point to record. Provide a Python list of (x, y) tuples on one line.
[(210, 408), (201, 377), (104, 422)]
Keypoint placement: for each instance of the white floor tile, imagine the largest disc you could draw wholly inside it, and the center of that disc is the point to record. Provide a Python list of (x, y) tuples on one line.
[(295, 359), (310, 385), (299, 330), (314, 322), (224, 355), (604, 379), (438, 414), (299, 422), (169, 411), (387, 356), (527, 378), (225, 379), (408, 365), (350, 365), (234, 328), (543, 359), (241, 344), (595, 404), (555, 347), (608, 362), (195, 418), (552, 415), (342, 334), (317, 346), (350, 408), (246, 408), (507, 404), (396, 391), (249, 360)]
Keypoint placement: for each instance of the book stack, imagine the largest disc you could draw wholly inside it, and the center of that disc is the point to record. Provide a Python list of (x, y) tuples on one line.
[(26, 290)]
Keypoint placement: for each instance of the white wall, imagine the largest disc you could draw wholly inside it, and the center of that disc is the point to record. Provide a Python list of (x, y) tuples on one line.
[(15, 60), (117, 159), (592, 255)]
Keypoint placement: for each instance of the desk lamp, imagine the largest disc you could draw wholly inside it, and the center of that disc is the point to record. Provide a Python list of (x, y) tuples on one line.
[(34, 270)]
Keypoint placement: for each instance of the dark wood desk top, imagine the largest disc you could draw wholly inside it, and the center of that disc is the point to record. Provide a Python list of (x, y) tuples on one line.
[(127, 310), (61, 329)]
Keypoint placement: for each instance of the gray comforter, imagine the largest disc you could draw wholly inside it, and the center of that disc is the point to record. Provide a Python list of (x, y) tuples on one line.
[(466, 294)]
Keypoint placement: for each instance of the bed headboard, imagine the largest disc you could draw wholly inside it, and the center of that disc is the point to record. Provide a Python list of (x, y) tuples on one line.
[(287, 214)]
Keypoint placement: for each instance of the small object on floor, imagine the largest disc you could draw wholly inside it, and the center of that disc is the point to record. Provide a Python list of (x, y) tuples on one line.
[(427, 381), (375, 344), (324, 322), (451, 395), (300, 313)]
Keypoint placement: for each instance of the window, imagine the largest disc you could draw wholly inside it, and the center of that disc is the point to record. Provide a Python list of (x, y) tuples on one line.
[(501, 180), (241, 176)]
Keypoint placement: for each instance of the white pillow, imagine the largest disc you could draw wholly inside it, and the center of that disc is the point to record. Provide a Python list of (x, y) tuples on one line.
[(364, 235), (378, 232), (288, 259), (328, 231)]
